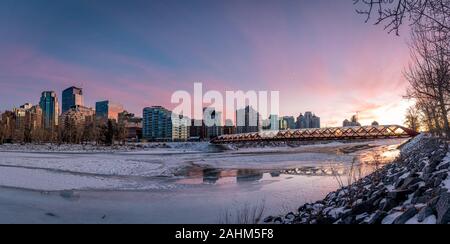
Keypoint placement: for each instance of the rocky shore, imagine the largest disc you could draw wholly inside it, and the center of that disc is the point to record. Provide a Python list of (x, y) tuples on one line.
[(414, 189)]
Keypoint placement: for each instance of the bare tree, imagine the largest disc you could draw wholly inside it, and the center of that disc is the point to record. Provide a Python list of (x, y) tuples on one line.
[(429, 116), (412, 118), (430, 14), (2, 132), (429, 75)]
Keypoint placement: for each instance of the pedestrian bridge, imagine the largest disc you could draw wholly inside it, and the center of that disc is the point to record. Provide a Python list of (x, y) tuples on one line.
[(337, 133)]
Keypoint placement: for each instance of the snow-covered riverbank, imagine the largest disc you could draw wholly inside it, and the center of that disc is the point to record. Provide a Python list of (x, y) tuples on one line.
[(414, 189)]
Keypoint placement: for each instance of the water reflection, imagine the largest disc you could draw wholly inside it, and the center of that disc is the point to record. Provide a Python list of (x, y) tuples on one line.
[(362, 165), (220, 176), (248, 175)]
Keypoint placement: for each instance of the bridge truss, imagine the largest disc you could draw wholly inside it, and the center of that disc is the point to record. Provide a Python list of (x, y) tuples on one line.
[(337, 133)]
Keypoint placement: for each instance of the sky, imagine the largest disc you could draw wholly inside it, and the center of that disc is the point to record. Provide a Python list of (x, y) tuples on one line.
[(320, 55)]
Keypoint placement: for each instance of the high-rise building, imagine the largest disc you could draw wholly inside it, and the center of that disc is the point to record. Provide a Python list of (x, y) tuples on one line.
[(197, 129), (20, 114), (352, 122), (307, 121), (106, 110), (248, 120), (157, 124), (180, 128), (209, 127), (33, 118), (50, 109), (287, 122), (212, 122), (77, 116), (229, 127), (272, 123), (72, 96)]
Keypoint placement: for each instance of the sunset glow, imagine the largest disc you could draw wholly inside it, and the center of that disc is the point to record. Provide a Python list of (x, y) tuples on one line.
[(330, 63)]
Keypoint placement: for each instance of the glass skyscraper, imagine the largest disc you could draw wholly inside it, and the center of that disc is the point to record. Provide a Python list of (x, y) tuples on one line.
[(248, 120), (157, 124), (50, 109), (71, 97), (106, 110)]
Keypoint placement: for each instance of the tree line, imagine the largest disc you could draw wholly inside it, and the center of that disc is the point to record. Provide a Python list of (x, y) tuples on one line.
[(68, 131)]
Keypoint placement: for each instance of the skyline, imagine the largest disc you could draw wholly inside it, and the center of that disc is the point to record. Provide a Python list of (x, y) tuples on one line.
[(331, 63)]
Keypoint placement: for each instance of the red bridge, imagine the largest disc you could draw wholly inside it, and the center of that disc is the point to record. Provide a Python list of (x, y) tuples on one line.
[(338, 133)]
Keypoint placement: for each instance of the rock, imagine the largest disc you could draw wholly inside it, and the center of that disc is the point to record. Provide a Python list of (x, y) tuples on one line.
[(409, 182), (387, 205), (348, 220), (404, 217), (376, 218), (437, 182), (363, 207), (399, 195), (399, 182), (290, 216), (421, 199), (278, 220), (419, 192), (321, 220), (442, 175), (426, 176), (424, 213), (443, 209), (433, 202), (444, 166)]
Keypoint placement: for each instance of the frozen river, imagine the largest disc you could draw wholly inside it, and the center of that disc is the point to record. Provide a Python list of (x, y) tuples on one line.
[(190, 184)]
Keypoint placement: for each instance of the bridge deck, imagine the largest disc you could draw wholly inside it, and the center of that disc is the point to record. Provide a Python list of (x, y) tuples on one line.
[(337, 133)]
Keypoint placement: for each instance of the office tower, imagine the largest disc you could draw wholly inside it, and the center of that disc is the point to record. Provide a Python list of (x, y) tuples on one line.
[(77, 116), (157, 124), (72, 96), (50, 109), (33, 118), (20, 114), (287, 122), (106, 110), (212, 122), (179, 128), (229, 127), (274, 122), (352, 122), (247, 120), (308, 121)]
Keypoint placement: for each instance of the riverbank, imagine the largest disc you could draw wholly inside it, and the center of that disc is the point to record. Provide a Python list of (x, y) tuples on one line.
[(411, 190)]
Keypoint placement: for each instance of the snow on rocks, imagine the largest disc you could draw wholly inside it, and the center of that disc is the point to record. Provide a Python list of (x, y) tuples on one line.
[(414, 189)]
